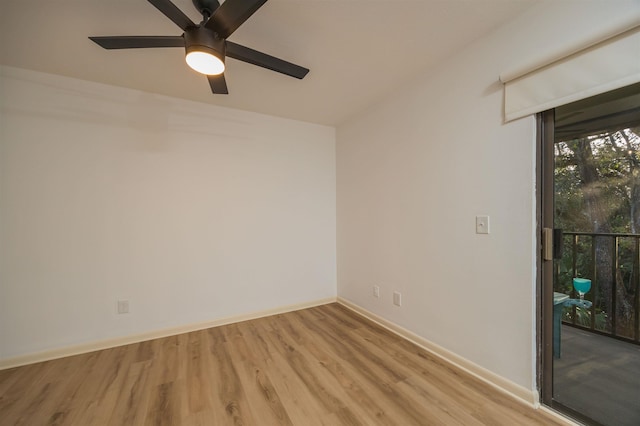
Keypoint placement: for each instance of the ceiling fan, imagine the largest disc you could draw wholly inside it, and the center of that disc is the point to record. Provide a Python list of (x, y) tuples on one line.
[(206, 43)]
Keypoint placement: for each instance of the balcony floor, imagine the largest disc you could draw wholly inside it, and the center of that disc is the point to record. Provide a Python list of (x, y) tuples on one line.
[(598, 376)]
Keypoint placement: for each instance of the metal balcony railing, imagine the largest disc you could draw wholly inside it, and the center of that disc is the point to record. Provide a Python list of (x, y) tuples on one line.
[(612, 262)]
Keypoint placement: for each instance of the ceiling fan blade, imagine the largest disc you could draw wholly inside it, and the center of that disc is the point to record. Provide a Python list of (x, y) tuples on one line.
[(138, 42), (218, 84), (172, 12), (231, 14), (263, 60)]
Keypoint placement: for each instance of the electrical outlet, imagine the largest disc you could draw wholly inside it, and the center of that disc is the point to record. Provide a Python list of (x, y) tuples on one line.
[(376, 291), (123, 306), (397, 298)]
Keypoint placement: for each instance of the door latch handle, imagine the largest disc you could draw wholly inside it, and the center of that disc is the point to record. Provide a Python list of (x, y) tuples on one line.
[(551, 243), (547, 244)]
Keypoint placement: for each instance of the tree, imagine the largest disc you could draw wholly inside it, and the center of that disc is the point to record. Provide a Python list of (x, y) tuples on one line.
[(597, 190)]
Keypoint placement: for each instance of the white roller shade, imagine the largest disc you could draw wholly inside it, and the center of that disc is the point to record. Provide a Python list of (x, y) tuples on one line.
[(602, 67)]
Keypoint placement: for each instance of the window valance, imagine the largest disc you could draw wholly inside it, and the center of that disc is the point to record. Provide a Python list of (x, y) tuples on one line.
[(608, 60)]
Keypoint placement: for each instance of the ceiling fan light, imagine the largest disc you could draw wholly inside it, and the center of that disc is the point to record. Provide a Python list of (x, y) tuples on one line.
[(204, 62), (205, 51)]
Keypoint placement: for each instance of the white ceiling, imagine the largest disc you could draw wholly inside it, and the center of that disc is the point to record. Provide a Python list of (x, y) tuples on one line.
[(358, 51)]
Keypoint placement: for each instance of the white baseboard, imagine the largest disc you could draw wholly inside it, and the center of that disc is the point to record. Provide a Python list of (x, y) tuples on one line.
[(489, 377), (156, 334)]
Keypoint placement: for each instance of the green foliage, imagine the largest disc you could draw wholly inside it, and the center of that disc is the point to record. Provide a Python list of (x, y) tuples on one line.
[(583, 317), (597, 190), (616, 158)]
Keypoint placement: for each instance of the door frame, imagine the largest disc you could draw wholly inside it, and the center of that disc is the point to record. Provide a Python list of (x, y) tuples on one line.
[(544, 280)]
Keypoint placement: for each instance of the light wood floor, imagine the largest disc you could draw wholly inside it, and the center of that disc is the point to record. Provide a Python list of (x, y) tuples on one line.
[(319, 366)]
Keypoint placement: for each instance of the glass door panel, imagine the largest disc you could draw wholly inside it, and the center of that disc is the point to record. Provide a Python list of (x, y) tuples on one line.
[(595, 359)]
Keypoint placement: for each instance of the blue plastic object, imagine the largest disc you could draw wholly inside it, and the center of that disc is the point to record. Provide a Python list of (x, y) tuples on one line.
[(577, 302)]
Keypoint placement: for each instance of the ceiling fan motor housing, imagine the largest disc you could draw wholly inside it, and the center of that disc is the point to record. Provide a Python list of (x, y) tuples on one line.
[(204, 40), (206, 7)]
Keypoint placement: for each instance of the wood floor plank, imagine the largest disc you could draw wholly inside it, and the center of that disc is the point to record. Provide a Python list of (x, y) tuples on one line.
[(300, 404), (323, 384), (88, 399), (261, 394), (320, 366), (347, 385), (197, 396), (362, 392), (132, 399), (107, 385), (229, 391), (16, 397), (375, 374), (215, 411)]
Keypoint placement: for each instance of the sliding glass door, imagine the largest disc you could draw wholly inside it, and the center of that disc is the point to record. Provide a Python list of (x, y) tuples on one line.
[(590, 308)]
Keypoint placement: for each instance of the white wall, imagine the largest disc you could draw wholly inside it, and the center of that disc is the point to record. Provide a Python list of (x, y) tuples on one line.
[(415, 170), (191, 212)]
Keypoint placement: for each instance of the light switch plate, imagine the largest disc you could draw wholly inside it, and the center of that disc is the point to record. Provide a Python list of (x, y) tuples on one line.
[(482, 224)]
